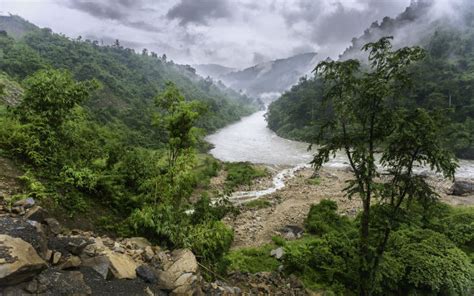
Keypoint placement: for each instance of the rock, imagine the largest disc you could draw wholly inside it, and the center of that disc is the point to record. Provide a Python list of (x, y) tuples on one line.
[(122, 266), (277, 253), (463, 187), (64, 283), (146, 273), (56, 257), (22, 261), (76, 248), (37, 214), (53, 225), (179, 272), (71, 262), (25, 203), (138, 242), (117, 248), (100, 264), (48, 255), (148, 253), (292, 232)]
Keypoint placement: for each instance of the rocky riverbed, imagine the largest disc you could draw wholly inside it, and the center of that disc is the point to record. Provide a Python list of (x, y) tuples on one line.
[(288, 207)]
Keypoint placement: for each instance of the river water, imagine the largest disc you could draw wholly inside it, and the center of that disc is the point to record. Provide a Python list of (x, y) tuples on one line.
[(250, 140)]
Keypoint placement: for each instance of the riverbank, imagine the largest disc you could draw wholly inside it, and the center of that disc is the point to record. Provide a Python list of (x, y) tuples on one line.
[(288, 207)]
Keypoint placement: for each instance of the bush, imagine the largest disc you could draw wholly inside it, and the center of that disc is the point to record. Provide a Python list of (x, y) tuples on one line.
[(258, 204), (323, 218), (252, 260), (424, 262), (210, 240), (242, 173)]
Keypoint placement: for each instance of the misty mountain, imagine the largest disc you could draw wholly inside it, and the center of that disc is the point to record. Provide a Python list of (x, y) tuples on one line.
[(444, 79), (212, 70), (269, 78), (414, 26)]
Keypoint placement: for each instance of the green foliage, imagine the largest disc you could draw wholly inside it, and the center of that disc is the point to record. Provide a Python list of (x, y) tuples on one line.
[(242, 173), (323, 218), (258, 204), (210, 240), (426, 262), (252, 260), (327, 262)]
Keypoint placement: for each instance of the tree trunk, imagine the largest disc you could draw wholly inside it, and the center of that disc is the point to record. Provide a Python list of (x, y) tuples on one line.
[(364, 253)]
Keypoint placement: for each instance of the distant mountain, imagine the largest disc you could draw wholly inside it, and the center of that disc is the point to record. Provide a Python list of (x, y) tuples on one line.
[(271, 77), (409, 28), (14, 25), (212, 70)]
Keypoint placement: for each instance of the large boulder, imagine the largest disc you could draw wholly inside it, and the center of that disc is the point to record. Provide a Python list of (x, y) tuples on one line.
[(29, 231), (113, 265), (463, 187), (180, 273), (18, 260)]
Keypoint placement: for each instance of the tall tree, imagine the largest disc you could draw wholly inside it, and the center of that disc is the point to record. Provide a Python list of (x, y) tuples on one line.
[(369, 118)]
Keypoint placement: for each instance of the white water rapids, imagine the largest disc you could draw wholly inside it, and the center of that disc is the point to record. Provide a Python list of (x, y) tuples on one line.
[(250, 140)]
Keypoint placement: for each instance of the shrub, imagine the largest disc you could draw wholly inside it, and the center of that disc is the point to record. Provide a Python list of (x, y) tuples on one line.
[(258, 204), (210, 240), (253, 260), (242, 173), (323, 218)]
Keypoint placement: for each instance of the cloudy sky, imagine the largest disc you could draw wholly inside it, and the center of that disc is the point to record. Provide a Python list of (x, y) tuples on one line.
[(236, 33)]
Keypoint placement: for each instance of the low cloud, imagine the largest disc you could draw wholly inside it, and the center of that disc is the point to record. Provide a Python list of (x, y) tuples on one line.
[(198, 11)]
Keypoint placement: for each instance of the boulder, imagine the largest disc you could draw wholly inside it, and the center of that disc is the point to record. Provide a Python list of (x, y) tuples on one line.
[(56, 257), (29, 231), (180, 273), (71, 262), (37, 214), (53, 225), (20, 260), (25, 203), (122, 266), (277, 253), (100, 264), (146, 273), (463, 187), (137, 242)]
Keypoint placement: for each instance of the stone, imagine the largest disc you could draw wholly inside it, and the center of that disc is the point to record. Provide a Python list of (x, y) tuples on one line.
[(37, 214), (122, 265), (148, 255), (138, 242), (53, 225), (71, 262), (22, 261), (100, 264), (56, 257), (179, 272), (76, 248), (48, 255), (64, 283), (32, 286), (277, 253), (25, 203), (26, 230), (146, 273), (463, 187)]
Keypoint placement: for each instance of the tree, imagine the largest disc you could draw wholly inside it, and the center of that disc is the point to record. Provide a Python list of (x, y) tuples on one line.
[(368, 116), (178, 118), (50, 96)]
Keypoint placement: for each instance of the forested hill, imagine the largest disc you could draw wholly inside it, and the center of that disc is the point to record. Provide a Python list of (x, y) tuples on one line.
[(443, 80), (129, 80)]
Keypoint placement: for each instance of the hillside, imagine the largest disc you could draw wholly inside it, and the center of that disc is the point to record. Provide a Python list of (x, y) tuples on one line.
[(212, 70), (442, 80), (129, 80)]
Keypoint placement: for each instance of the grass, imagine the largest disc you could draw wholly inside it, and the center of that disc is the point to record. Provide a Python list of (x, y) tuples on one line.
[(242, 173), (313, 181), (258, 204), (253, 260)]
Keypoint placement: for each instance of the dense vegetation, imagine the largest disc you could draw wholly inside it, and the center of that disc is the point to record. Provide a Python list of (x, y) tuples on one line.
[(426, 254), (442, 81), (106, 130)]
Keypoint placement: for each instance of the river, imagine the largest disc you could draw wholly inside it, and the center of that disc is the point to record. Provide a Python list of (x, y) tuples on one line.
[(251, 140)]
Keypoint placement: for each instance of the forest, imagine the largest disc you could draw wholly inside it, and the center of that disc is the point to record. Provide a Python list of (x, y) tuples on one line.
[(443, 81)]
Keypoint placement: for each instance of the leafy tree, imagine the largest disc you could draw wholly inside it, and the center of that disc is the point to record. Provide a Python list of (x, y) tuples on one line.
[(369, 117)]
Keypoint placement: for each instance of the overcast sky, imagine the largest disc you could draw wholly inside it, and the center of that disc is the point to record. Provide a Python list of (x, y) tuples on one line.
[(236, 33)]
